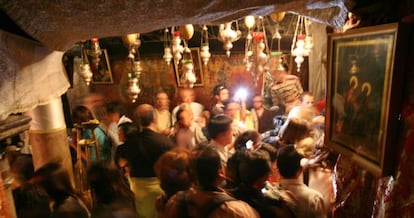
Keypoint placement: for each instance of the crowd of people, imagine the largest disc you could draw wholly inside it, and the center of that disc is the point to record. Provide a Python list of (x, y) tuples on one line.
[(185, 162)]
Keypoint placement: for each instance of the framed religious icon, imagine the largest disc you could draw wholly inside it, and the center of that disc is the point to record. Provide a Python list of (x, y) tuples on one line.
[(198, 69), (364, 97), (101, 69)]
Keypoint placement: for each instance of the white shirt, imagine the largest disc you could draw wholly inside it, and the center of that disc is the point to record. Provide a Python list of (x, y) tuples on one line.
[(223, 151), (309, 202), (163, 119)]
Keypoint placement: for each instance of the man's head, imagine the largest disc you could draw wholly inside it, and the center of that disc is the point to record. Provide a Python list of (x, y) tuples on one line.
[(232, 109), (125, 130), (288, 162), (221, 94), (257, 102), (114, 111), (162, 101), (207, 167), (220, 127), (144, 114), (187, 95), (185, 117), (307, 99), (254, 168)]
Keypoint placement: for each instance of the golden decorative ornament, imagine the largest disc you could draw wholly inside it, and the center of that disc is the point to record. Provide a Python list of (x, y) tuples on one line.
[(187, 31), (277, 16)]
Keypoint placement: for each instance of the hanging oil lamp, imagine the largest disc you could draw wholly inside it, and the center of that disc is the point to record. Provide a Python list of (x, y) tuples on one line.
[(167, 47), (302, 42), (204, 53), (95, 52), (299, 51), (248, 48), (133, 42), (133, 89), (227, 35), (177, 48), (85, 68), (261, 56)]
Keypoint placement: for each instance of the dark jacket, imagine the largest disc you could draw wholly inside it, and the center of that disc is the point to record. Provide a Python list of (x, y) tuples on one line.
[(143, 150)]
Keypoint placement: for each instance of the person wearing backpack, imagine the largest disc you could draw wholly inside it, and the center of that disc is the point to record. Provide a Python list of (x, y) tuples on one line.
[(207, 199), (254, 168)]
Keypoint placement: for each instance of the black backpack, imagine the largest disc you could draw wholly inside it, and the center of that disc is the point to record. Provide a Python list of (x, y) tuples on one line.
[(187, 208)]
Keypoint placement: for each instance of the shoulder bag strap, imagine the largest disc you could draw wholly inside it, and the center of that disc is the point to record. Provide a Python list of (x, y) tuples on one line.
[(215, 203)]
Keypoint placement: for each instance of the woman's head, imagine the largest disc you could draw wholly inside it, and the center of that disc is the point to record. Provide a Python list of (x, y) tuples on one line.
[(173, 170), (303, 112), (294, 130)]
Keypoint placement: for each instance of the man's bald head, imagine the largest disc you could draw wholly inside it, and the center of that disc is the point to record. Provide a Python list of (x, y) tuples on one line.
[(144, 114)]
